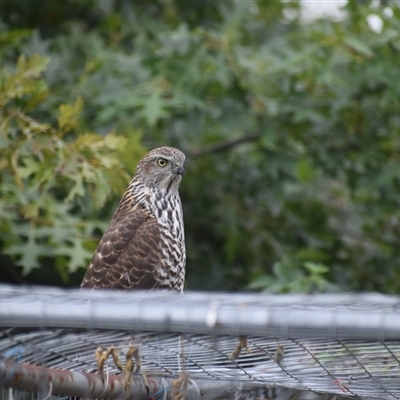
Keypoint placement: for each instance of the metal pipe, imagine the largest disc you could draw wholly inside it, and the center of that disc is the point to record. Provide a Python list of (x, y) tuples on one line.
[(47, 381), (347, 316)]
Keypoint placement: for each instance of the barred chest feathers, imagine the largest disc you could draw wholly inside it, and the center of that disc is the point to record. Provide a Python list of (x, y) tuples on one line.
[(167, 209)]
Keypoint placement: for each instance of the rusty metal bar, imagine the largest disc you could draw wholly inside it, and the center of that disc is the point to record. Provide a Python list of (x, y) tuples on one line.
[(47, 381)]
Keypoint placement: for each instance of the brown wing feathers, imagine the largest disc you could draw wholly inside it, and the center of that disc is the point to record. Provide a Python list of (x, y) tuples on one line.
[(126, 255)]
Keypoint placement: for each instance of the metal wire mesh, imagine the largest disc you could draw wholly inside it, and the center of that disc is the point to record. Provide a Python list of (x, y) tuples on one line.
[(293, 343)]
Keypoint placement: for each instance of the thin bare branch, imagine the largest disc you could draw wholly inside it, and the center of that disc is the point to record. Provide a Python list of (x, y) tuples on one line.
[(224, 145)]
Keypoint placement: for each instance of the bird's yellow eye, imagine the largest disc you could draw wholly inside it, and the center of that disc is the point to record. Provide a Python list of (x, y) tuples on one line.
[(162, 162)]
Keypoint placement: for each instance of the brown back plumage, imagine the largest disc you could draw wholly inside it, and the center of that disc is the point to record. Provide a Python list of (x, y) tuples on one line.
[(144, 245)]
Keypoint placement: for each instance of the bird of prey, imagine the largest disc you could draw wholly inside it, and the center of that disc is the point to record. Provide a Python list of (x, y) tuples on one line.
[(144, 245)]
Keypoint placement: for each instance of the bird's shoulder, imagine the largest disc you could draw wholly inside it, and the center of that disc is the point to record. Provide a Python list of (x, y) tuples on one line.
[(128, 252)]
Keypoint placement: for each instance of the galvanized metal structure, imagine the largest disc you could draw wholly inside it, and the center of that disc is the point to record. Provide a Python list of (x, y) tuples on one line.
[(187, 346)]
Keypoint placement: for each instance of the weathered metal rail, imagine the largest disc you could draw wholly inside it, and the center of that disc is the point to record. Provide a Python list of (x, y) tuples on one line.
[(50, 381)]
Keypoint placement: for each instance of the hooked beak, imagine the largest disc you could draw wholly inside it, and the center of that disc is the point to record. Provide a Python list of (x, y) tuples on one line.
[(179, 170)]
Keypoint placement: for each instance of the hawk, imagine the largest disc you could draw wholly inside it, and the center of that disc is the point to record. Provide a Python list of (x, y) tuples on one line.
[(144, 245)]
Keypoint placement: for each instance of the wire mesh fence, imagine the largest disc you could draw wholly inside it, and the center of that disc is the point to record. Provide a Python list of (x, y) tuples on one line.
[(199, 345)]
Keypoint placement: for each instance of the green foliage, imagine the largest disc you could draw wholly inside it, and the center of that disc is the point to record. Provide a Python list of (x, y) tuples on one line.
[(286, 279), (52, 179), (291, 132)]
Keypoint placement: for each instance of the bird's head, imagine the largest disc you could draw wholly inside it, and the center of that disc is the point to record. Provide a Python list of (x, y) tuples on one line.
[(161, 168)]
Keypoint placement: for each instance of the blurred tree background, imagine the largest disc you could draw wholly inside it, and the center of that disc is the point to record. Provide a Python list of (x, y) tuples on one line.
[(291, 131)]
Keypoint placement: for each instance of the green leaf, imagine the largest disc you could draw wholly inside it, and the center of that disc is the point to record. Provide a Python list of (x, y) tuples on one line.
[(358, 46), (23, 83), (29, 252), (77, 189), (31, 67), (78, 255), (262, 282), (305, 172), (153, 108), (316, 269), (68, 114), (101, 191)]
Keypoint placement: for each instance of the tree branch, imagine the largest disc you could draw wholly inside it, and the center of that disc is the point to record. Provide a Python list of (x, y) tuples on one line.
[(224, 145)]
